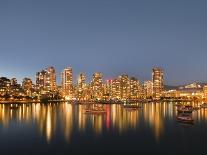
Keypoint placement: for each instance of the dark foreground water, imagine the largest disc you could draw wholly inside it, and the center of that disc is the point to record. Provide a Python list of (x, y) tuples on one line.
[(64, 128)]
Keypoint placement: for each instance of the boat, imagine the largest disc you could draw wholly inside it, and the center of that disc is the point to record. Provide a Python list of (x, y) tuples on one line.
[(131, 107), (185, 109), (204, 105), (185, 119), (95, 109)]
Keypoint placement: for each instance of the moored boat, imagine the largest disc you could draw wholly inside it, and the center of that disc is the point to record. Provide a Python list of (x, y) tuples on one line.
[(185, 119), (185, 109), (95, 112), (95, 109), (132, 107)]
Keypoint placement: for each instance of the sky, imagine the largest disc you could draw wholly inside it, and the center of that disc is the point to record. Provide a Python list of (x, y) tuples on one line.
[(110, 36)]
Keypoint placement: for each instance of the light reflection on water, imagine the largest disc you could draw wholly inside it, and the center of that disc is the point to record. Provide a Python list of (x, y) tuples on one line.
[(71, 118)]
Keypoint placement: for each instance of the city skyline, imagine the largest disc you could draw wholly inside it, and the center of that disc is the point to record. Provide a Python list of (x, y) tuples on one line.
[(89, 77), (113, 37)]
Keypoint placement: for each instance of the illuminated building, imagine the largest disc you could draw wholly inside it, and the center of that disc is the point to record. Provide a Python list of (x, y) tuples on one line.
[(108, 89), (67, 83), (46, 80), (158, 82), (121, 87), (27, 85), (135, 89), (194, 85), (97, 86), (116, 89), (5, 85), (148, 88), (124, 86), (81, 85), (13, 82), (205, 90), (172, 94)]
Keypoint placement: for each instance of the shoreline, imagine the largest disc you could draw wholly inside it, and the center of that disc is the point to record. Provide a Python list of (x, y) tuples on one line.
[(95, 102)]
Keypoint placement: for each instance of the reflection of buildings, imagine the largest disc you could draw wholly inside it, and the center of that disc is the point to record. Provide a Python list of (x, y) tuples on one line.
[(47, 121), (153, 114), (70, 118), (123, 120), (81, 118), (67, 120)]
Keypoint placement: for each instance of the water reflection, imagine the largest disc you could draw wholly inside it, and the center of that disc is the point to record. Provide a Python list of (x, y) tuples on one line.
[(70, 118)]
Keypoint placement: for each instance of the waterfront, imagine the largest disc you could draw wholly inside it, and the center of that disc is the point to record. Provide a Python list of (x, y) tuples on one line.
[(65, 128)]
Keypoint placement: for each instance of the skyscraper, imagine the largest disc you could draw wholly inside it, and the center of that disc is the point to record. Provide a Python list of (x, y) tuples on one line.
[(124, 86), (158, 82), (148, 89), (27, 85), (67, 83), (116, 89), (121, 87), (46, 80), (108, 88), (81, 85), (97, 85), (135, 89)]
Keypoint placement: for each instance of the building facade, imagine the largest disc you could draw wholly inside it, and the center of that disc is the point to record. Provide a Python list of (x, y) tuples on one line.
[(46, 80), (67, 83), (158, 82)]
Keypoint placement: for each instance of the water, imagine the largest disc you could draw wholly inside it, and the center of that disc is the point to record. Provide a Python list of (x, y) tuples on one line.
[(64, 128)]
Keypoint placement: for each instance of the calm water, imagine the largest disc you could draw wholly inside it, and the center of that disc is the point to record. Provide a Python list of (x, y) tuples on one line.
[(64, 128)]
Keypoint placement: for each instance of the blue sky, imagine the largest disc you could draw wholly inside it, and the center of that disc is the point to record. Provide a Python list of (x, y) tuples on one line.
[(111, 36)]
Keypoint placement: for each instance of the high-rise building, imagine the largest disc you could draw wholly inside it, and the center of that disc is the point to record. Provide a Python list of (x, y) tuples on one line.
[(108, 89), (116, 88), (97, 85), (27, 85), (135, 89), (40, 79), (81, 85), (67, 83), (124, 86), (46, 80), (158, 82), (121, 87), (5, 85), (13, 82), (148, 89)]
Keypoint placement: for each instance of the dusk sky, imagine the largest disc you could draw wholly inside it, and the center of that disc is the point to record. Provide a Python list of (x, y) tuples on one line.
[(111, 36)]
